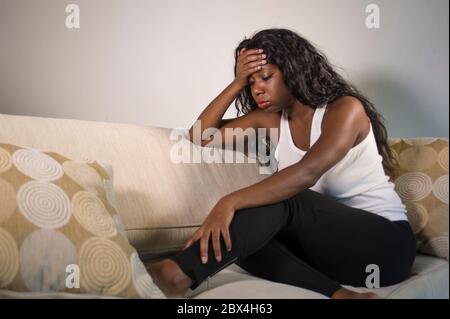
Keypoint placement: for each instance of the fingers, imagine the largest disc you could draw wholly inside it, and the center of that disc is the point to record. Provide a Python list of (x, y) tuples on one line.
[(195, 236), (251, 61), (227, 238), (252, 65), (249, 71), (250, 55), (254, 55), (216, 245), (246, 52), (204, 247), (204, 243), (216, 242), (189, 243)]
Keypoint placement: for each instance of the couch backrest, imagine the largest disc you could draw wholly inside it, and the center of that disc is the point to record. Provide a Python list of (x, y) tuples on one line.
[(161, 202)]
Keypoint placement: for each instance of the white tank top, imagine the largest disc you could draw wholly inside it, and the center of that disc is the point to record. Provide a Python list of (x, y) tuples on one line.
[(358, 180)]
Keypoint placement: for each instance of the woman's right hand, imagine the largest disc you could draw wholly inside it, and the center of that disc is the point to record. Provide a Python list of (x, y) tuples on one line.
[(249, 61)]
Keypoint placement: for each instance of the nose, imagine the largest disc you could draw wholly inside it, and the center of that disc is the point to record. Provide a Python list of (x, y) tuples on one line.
[(258, 88)]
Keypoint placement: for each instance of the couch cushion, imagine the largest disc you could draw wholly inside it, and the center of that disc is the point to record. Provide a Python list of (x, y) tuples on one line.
[(429, 280), (59, 228), (421, 180), (161, 202)]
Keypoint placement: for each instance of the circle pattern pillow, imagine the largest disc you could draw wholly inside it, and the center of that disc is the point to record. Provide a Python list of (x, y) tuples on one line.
[(421, 180), (60, 230)]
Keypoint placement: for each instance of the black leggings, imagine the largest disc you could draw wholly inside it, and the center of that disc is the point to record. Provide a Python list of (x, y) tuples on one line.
[(311, 241)]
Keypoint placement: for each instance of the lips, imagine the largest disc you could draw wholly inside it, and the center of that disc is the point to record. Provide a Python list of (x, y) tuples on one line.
[(263, 104)]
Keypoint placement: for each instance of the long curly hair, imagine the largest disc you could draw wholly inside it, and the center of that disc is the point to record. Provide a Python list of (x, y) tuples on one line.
[(310, 78)]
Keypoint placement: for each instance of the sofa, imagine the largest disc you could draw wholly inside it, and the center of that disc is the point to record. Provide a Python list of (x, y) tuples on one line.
[(162, 197)]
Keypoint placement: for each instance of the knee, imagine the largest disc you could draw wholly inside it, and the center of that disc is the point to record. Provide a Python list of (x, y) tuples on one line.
[(244, 218)]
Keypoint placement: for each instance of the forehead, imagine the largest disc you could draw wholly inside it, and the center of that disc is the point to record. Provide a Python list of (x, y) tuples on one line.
[(264, 69)]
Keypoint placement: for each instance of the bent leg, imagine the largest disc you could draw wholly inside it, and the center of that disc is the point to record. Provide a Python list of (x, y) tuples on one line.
[(250, 230), (275, 262), (342, 241), (337, 240)]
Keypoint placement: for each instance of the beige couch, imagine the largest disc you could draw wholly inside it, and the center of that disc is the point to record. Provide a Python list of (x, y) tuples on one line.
[(161, 202)]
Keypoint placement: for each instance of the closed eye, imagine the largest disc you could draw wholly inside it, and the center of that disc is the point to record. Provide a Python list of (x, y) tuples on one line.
[(264, 79)]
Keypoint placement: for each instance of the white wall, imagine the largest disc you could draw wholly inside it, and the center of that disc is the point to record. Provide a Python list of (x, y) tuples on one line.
[(161, 62)]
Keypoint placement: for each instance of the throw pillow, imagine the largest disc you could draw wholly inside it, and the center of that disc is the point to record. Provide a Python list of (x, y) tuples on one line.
[(60, 229), (421, 180)]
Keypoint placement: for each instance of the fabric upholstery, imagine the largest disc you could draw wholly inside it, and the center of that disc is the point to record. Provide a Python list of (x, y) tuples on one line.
[(161, 202), (421, 180), (60, 230), (429, 281)]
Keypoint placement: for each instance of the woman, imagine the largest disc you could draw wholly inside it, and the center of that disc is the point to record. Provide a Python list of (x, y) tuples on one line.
[(329, 214)]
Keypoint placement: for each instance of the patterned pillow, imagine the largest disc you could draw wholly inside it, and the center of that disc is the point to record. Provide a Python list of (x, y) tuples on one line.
[(421, 180), (60, 230)]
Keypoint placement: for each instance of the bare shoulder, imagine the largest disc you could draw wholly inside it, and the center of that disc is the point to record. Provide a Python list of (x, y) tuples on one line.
[(349, 109), (344, 108), (347, 104)]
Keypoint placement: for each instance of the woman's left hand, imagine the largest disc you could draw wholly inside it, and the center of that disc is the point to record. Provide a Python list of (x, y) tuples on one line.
[(217, 223)]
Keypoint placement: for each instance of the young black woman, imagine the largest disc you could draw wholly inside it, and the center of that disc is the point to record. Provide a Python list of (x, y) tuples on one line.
[(330, 211)]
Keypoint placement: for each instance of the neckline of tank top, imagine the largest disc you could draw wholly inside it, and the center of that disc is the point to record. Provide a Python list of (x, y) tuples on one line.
[(288, 129), (298, 150)]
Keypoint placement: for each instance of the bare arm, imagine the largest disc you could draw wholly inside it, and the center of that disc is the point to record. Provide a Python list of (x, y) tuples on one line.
[(249, 61), (213, 113), (224, 122), (336, 139)]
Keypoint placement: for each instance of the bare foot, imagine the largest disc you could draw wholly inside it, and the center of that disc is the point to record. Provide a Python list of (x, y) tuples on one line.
[(349, 294), (169, 278)]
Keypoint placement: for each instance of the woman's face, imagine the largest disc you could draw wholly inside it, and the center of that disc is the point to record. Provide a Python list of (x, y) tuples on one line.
[(269, 90)]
